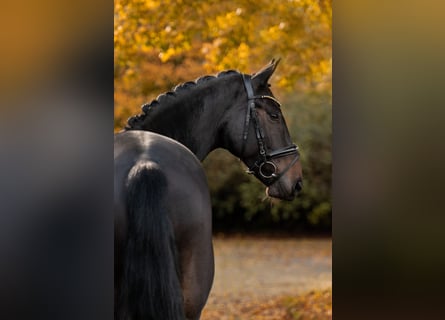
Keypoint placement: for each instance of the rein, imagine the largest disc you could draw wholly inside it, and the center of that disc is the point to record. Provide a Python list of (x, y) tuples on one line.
[(264, 166)]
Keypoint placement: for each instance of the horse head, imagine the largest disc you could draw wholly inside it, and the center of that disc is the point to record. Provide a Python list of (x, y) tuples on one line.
[(265, 145)]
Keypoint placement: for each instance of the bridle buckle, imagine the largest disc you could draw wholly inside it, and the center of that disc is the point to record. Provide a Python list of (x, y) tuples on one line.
[(266, 167)]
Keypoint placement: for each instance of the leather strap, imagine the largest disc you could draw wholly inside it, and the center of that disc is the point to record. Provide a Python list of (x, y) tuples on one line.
[(264, 156)]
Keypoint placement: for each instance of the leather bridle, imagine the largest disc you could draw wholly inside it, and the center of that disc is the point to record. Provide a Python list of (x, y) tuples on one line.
[(264, 165)]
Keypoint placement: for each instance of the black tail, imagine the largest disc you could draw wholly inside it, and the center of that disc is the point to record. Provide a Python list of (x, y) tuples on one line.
[(150, 280)]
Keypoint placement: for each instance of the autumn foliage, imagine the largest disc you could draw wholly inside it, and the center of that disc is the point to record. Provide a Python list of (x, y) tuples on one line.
[(159, 44), (314, 305)]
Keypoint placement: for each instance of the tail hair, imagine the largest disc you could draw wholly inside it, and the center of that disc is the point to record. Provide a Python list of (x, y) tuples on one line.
[(150, 273)]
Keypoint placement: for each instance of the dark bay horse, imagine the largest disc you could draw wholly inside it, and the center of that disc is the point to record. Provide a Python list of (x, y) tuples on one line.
[(233, 111)]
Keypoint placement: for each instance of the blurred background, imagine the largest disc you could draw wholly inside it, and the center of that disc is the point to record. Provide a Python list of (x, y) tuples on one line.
[(56, 122), (158, 44)]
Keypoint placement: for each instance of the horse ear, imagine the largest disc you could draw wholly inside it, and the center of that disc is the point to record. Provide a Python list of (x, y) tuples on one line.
[(264, 74)]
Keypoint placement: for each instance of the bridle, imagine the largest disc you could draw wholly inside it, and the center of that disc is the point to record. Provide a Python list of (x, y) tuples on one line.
[(264, 166)]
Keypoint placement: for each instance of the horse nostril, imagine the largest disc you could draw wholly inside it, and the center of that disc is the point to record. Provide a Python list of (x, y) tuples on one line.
[(299, 185)]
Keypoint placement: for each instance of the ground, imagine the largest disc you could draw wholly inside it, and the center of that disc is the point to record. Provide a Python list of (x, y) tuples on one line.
[(271, 279)]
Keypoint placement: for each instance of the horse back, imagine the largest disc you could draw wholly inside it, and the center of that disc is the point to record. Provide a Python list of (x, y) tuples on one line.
[(186, 179)]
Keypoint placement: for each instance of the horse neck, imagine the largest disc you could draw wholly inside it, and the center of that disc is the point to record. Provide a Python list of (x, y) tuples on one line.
[(195, 123)]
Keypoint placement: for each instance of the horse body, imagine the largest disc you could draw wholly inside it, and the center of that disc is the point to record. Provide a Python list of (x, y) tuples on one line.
[(233, 111), (154, 167)]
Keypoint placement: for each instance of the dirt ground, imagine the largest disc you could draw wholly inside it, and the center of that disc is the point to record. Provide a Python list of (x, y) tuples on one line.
[(261, 278)]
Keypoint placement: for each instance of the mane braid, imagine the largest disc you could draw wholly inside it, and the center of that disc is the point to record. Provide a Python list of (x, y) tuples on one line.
[(147, 108)]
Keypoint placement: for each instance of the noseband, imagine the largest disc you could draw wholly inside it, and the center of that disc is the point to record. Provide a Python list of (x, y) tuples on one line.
[(264, 166)]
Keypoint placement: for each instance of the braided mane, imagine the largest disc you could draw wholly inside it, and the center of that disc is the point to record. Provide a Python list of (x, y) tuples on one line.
[(170, 96)]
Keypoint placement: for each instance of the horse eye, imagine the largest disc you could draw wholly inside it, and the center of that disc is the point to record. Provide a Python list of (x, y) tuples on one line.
[(274, 116)]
